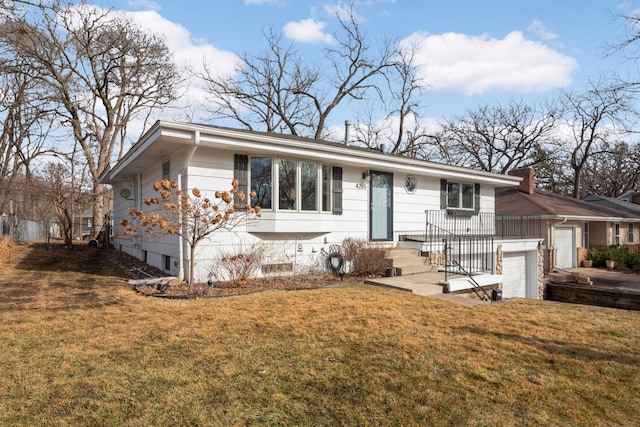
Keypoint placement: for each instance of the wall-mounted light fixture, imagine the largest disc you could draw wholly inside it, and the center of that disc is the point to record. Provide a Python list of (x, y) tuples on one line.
[(366, 175)]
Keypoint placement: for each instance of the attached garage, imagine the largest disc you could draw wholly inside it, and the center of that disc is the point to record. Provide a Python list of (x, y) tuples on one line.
[(565, 247), (514, 284), (520, 269)]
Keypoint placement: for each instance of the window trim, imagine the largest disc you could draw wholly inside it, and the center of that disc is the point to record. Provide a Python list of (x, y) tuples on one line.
[(459, 211), (630, 231), (166, 169), (585, 234), (328, 188)]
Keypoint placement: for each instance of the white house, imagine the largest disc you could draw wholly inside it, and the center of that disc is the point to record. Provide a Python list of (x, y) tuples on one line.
[(313, 194)]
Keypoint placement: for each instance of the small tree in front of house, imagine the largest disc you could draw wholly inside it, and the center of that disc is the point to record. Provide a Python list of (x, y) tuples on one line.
[(192, 217)]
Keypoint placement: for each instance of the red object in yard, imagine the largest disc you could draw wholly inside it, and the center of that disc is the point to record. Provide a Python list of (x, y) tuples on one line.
[(101, 240)]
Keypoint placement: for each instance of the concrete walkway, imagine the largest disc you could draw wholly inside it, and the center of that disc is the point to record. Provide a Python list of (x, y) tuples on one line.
[(624, 280), (424, 284)]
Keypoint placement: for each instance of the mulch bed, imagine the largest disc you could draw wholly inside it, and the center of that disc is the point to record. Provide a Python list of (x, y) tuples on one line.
[(179, 289)]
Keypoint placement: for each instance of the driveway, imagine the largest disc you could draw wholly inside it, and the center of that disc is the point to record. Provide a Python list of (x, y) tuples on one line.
[(602, 277)]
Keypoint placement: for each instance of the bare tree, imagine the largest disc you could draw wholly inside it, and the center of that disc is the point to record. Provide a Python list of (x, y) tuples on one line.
[(401, 129), (405, 91), (27, 117), (495, 138), (265, 90), (594, 118), (65, 195), (272, 91), (613, 171), (551, 171), (103, 69)]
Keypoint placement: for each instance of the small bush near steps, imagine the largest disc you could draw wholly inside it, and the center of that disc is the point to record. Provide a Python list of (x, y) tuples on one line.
[(365, 257)]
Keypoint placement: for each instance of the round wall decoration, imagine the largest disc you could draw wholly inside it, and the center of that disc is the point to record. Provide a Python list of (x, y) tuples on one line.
[(125, 193), (410, 184)]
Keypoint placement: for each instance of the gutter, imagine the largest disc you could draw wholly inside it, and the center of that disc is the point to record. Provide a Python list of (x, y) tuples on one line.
[(183, 247)]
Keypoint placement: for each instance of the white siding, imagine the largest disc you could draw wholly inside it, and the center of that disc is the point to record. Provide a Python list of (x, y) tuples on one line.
[(298, 238)]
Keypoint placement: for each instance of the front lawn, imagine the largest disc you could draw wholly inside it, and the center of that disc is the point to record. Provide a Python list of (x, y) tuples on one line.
[(79, 347)]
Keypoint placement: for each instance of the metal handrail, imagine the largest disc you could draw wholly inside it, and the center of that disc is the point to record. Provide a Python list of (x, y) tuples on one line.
[(475, 284)]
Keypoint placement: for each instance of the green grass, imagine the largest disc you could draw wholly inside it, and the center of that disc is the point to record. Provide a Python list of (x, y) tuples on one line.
[(89, 351)]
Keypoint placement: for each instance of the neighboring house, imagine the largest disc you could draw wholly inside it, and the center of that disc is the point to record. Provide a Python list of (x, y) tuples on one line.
[(313, 195), (569, 226), (624, 234), (83, 225), (619, 203), (632, 196)]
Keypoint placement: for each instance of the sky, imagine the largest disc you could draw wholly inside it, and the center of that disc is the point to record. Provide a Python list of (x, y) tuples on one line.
[(472, 52)]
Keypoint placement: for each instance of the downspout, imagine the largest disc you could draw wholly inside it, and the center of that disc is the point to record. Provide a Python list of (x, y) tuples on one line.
[(184, 246)]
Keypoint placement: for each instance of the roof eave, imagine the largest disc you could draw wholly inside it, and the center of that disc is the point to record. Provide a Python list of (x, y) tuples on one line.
[(252, 142)]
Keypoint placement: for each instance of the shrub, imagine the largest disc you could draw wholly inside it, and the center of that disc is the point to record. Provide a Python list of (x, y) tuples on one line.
[(238, 265), (365, 257), (620, 255)]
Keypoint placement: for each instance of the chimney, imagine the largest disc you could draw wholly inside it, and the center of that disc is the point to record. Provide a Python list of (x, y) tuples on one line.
[(527, 184), (635, 197), (347, 125)]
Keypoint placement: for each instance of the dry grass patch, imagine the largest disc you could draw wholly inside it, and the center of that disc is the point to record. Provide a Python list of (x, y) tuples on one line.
[(80, 348), (7, 248)]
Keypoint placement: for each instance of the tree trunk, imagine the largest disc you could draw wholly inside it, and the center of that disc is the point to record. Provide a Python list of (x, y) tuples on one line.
[(577, 183), (98, 209), (192, 257)]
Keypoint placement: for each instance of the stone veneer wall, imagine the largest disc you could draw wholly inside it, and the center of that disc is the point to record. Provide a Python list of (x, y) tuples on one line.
[(542, 278)]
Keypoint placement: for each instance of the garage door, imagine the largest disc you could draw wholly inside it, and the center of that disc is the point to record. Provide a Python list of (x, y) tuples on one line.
[(514, 275), (565, 247)]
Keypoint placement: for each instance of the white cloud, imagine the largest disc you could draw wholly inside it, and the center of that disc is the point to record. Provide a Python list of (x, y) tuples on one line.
[(479, 64), (187, 50), (189, 53), (144, 5), (307, 31), (342, 11), (539, 29)]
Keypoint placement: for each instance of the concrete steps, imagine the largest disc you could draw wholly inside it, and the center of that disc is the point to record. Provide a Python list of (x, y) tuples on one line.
[(407, 261)]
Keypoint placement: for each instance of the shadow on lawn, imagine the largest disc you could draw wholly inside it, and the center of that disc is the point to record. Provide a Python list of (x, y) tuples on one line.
[(60, 279), (567, 349), (80, 259)]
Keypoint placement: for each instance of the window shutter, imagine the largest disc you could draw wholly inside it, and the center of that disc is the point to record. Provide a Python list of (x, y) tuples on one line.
[(443, 194), (337, 191), (476, 197), (241, 173)]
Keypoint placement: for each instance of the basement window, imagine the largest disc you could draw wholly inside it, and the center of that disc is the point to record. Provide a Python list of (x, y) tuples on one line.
[(277, 268)]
